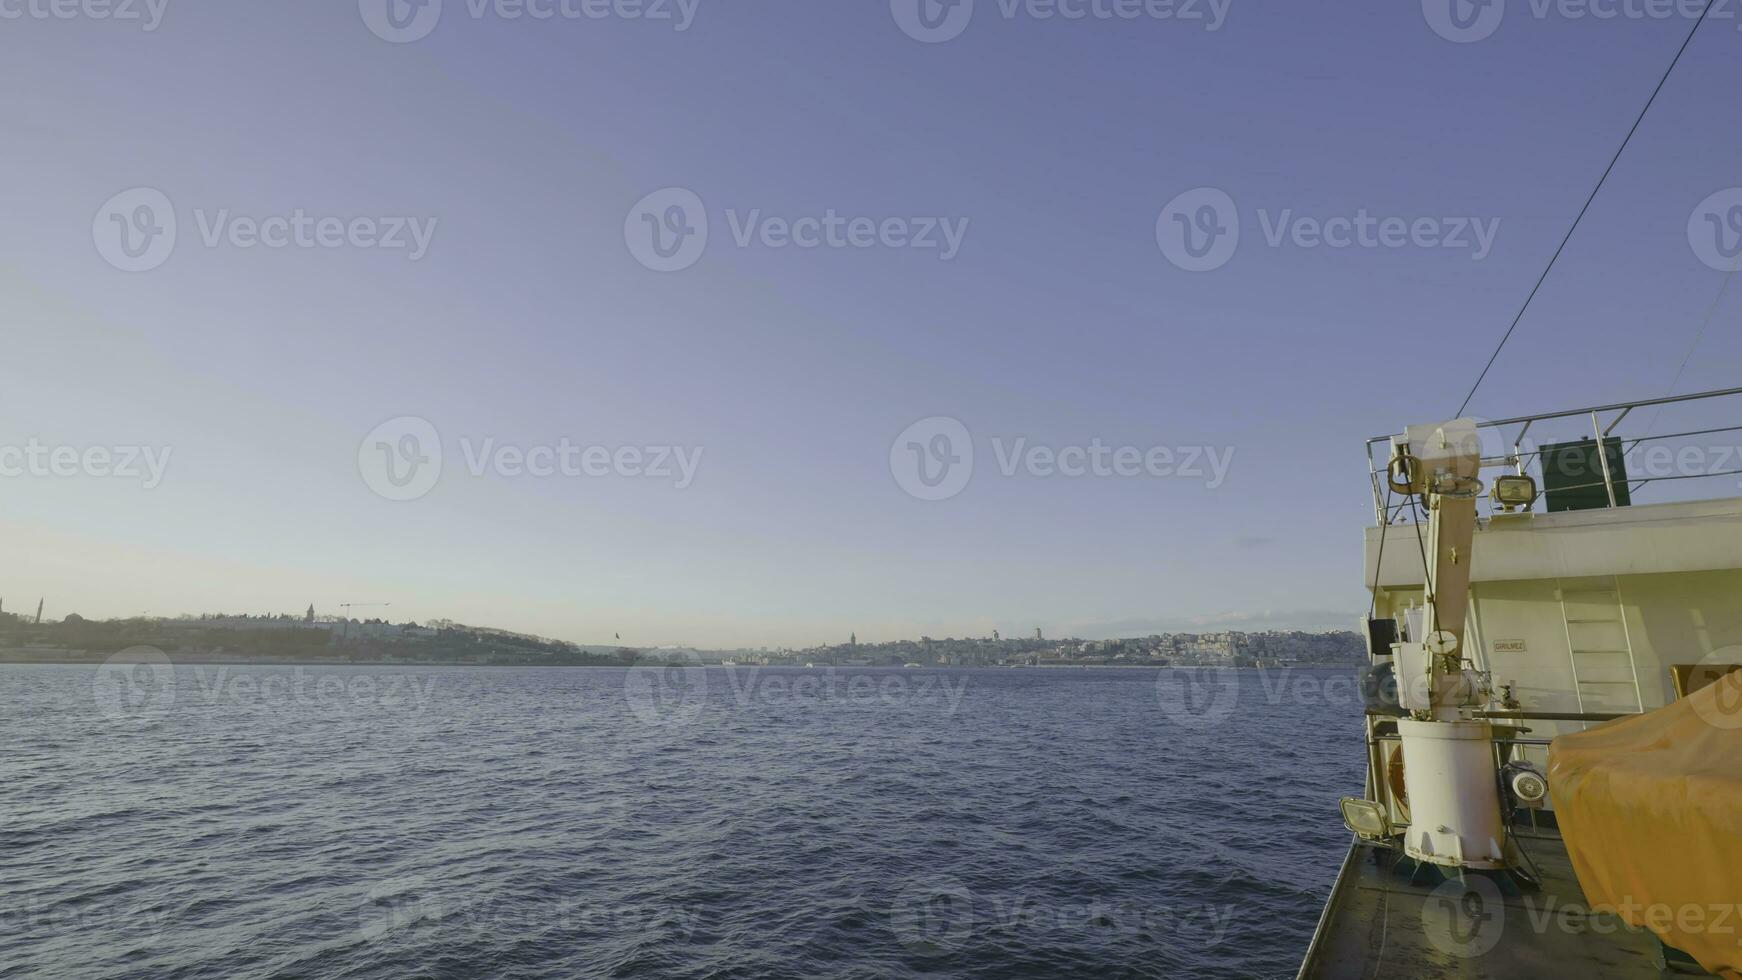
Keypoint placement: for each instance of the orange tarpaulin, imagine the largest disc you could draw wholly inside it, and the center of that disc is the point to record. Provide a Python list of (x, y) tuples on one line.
[(1651, 812)]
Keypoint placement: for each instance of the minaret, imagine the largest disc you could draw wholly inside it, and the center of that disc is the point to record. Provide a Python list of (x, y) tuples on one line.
[(39, 612)]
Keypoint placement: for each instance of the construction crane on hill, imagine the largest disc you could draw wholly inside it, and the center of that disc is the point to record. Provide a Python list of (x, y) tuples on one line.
[(348, 606)]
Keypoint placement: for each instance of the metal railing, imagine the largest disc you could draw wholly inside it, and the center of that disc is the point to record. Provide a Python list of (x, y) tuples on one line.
[(1403, 510)]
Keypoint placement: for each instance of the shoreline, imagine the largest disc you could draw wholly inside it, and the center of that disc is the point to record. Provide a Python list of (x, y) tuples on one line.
[(235, 662)]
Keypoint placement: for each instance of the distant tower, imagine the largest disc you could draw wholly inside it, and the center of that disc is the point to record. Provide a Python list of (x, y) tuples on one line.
[(853, 640), (1037, 632), (309, 617), (995, 636), (39, 612)]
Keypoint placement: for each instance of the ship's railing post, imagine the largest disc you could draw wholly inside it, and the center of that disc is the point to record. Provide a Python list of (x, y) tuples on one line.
[(1373, 478), (1603, 455)]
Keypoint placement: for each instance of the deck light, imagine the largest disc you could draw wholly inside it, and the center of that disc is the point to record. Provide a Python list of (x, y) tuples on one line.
[(1528, 785), (1515, 491), (1365, 818)]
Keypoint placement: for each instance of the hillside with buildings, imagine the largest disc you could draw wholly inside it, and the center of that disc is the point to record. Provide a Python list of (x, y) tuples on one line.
[(310, 637), (1226, 649), (284, 638)]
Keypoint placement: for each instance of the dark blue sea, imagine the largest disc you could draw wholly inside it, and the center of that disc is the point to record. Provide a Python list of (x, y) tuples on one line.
[(203, 821)]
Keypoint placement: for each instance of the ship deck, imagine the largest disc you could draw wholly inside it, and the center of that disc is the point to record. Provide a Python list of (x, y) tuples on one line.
[(1376, 923)]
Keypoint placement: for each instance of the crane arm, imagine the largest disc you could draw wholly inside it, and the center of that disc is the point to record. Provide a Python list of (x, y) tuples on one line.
[(1440, 461)]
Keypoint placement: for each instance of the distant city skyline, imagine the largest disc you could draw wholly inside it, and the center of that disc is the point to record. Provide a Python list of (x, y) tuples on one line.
[(1331, 621), (316, 638)]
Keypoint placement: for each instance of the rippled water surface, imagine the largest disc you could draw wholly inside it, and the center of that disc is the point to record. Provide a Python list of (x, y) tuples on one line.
[(204, 821)]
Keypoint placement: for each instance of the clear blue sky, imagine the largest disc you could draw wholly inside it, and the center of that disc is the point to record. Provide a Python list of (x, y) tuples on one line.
[(1060, 320)]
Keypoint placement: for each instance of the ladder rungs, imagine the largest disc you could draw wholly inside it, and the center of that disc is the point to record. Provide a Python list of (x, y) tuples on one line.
[(1600, 603)]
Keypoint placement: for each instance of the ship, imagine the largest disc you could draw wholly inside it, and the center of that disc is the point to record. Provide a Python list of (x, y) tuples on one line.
[(1552, 701)]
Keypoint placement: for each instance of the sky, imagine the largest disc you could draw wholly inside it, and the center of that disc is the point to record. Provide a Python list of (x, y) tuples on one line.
[(681, 322)]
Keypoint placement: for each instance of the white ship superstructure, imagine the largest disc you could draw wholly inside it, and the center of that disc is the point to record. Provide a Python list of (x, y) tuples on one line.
[(1531, 578)]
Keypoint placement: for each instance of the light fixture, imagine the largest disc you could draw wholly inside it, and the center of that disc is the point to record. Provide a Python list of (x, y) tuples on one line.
[(1365, 818), (1515, 491), (1528, 785)]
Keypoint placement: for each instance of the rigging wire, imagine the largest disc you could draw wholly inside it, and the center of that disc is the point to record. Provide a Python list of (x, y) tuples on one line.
[(1569, 236), (1699, 335)]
